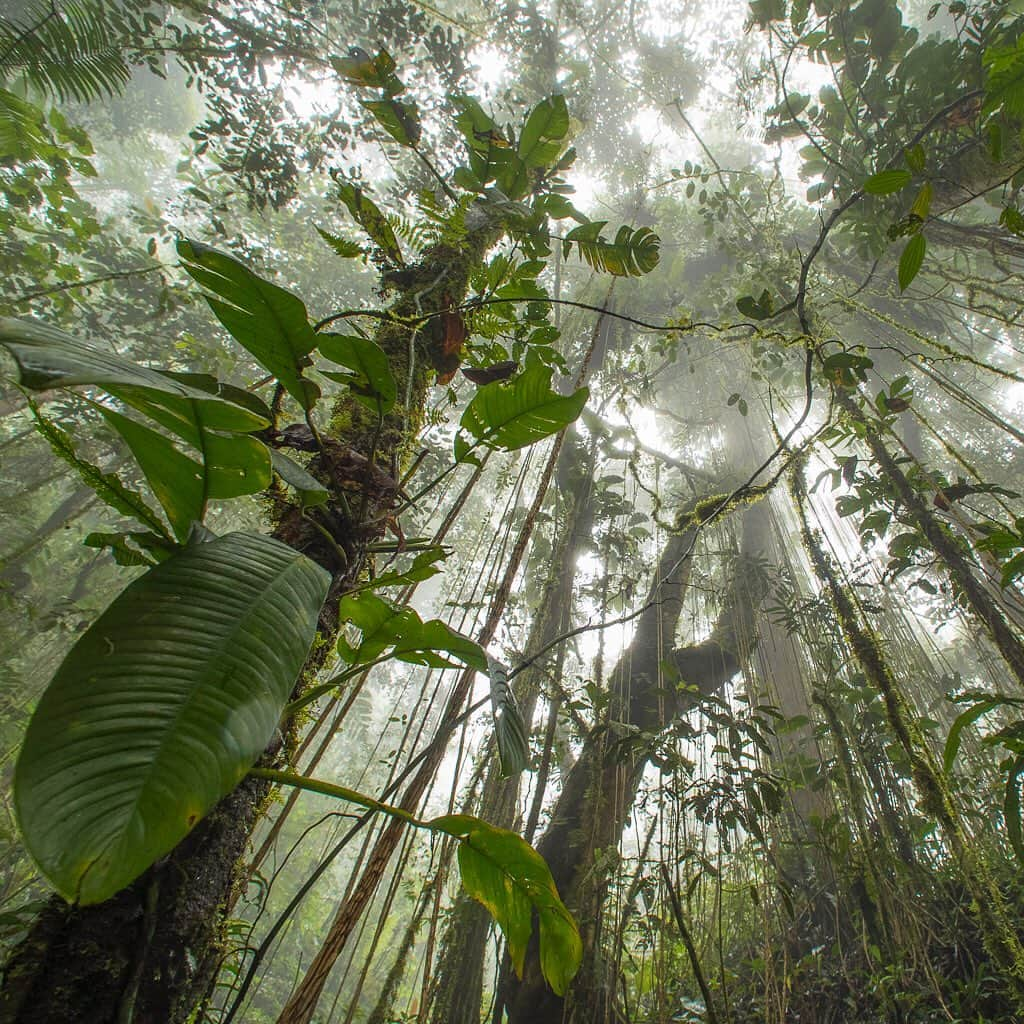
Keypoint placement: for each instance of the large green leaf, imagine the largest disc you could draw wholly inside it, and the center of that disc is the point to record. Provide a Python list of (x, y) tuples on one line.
[(371, 380), (269, 322), (310, 491), (229, 466), (401, 633), (910, 261), (884, 183), (544, 133), (161, 707), (632, 254), (512, 880), (514, 414), (400, 119), (50, 358)]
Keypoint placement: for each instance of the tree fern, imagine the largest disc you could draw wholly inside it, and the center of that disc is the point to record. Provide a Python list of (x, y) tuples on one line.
[(68, 50)]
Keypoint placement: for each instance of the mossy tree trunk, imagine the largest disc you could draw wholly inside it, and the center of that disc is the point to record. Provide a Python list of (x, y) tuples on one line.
[(150, 954), (598, 793)]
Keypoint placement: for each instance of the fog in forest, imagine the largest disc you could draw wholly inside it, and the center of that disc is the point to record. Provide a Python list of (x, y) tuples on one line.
[(511, 511)]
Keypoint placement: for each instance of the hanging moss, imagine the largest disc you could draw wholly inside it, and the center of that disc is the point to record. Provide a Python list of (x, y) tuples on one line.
[(989, 905)]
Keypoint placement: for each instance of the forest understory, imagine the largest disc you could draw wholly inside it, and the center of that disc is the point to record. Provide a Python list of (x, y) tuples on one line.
[(512, 512)]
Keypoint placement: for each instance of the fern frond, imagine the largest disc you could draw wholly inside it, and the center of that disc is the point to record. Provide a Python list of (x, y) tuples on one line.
[(448, 224), (23, 134), (68, 50), (418, 234)]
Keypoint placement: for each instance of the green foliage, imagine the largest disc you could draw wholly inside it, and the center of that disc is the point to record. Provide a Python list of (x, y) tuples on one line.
[(542, 138), (1011, 738), (106, 486), (499, 869), (760, 308), (358, 68), (50, 358), (884, 183), (510, 731), (161, 707), (230, 465), (399, 118), (69, 51), (267, 321), (310, 491), (343, 247), (910, 260), (402, 634), (368, 216), (633, 253), (517, 413), (506, 875), (370, 380), (1006, 542)]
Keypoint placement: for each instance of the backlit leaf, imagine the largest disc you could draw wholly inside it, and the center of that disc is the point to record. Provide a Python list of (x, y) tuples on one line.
[(911, 260), (504, 873), (513, 414), (265, 319)]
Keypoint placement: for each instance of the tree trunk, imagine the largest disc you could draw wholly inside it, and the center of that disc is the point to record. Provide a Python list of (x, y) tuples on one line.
[(150, 954), (599, 791)]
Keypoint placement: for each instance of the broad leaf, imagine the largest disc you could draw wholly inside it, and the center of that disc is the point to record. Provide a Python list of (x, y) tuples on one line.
[(50, 358), (884, 183), (632, 254), (964, 719), (175, 479), (400, 119), (269, 322), (360, 69), (520, 412), (544, 133), (422, 568), (310, 491), (757, 309), (371, 380), (132, 547), (161, 707), (402, 634), (1004, 85), (478, 128), (230, 465), (509, 728), (504, 873)]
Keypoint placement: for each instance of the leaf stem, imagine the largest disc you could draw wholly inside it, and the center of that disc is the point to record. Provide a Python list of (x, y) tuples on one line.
[(341, 793)]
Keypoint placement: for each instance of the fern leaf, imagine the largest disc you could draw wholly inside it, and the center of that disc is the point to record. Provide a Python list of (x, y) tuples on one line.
[(68, 50)]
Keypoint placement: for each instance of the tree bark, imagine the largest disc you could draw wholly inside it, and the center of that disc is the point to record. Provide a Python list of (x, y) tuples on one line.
[(598, 793), (150, 954)]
